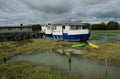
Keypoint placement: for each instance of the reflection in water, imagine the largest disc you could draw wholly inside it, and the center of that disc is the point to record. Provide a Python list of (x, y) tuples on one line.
[(72, 64), (69, 61)]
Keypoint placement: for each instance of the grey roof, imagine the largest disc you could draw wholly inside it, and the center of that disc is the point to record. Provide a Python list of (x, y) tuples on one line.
[(26, 26), (66, 23)]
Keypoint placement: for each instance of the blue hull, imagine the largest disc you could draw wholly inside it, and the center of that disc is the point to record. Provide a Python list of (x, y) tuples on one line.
[(67, 37), (78, 37)]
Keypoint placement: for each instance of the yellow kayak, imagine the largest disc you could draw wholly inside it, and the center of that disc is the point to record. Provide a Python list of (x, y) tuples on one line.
[(93, 45)]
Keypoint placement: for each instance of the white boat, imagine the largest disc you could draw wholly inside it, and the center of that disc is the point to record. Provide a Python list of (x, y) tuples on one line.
[(71, 31)]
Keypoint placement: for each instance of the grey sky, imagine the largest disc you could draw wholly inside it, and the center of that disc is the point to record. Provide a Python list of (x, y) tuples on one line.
[(43, 11)]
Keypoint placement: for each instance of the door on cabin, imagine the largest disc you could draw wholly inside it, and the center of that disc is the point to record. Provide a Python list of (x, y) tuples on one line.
[(63, 28)]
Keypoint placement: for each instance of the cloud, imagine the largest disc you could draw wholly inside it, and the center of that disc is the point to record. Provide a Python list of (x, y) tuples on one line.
[(43, 11), (50, 6)]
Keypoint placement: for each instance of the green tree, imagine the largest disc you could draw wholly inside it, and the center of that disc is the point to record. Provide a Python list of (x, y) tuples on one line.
[(112, 25), (36, 29), (95, 26), (87, 26), (103, 26)]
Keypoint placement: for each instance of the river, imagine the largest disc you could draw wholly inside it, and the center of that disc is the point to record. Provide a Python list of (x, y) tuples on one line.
[(73, 65), (104, 37)]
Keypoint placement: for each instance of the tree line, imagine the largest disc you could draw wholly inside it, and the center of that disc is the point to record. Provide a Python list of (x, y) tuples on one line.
[(111, 25)]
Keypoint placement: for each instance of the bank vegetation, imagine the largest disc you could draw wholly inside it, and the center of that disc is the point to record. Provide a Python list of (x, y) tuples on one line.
[(24, 70)]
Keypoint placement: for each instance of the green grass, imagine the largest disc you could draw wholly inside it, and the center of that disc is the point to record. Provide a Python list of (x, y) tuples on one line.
[(107, 31), (23, 70), (96, 37), (10, 49)]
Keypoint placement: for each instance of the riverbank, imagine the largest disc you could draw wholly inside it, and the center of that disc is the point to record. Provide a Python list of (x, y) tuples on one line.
[(23, 70), (10, 49), (110, 50), (13, 48)]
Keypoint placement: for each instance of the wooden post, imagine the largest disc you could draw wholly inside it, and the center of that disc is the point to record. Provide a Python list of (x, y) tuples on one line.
[(106, 61), (69, 61), (106, 68), (4, 59)]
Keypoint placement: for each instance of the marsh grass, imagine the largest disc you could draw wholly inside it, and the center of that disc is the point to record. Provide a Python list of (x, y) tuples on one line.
[(23, 70), (107, 31), (13, 48), (110, 50), (10, 49), (96, 37)]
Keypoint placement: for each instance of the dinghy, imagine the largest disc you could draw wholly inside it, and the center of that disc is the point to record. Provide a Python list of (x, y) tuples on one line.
[(93, 45), (78, 45)]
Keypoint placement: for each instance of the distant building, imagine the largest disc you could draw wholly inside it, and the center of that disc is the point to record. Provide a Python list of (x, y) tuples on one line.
[(15, 32), (15, 29)]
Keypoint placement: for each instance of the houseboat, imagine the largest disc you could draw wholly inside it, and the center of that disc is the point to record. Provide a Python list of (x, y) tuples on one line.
[(70, 31)]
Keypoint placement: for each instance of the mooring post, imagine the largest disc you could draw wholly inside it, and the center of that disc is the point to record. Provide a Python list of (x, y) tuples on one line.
[(106, 62), (70, 63), (4, 59), (106, 69)]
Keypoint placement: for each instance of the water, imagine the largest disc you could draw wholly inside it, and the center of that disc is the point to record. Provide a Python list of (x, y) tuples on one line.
[(72, 65), (105, 37)]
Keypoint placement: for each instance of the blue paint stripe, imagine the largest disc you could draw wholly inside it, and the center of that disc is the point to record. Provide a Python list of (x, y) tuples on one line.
[(77, 37)]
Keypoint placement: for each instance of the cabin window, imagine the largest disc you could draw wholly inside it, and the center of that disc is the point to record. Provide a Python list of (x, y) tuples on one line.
[(55, 27), (48, 27), (79, 26), (63, 27), (76, 27)]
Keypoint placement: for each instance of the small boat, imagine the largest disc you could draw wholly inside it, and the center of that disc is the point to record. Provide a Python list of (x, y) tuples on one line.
[(78, 45), (93, 45)]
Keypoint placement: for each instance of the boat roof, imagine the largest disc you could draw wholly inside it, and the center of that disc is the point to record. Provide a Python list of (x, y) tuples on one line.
[(66, 23)]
